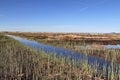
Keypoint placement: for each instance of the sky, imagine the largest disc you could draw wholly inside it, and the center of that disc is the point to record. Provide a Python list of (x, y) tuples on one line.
[(60, 15)]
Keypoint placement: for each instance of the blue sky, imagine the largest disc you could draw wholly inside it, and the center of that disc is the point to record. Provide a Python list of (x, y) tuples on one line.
[(60, 15)]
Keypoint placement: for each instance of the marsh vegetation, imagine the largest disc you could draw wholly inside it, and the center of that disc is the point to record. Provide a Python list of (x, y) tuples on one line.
[(73, 41), (18, 61)]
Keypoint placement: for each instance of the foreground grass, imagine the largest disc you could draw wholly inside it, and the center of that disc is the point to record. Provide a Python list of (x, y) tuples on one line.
[(18, 61)]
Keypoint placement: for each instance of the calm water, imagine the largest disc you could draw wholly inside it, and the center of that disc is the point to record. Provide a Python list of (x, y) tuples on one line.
[(105, 46), (66, 52), (112, 46)]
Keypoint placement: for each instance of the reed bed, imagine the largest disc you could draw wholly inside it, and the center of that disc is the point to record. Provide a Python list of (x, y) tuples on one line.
[(74, 44), (108, 54), (18, 61)]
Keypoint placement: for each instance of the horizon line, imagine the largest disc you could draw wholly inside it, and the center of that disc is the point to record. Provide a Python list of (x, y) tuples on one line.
[(58, 32)]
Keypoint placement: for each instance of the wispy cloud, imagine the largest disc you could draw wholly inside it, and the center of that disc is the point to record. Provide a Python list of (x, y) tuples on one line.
[(83, 9), (101, 2), (97, 4), (104, 1)]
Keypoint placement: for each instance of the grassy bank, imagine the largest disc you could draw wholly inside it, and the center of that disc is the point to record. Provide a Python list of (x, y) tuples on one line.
[(71, 43), (18, 61)]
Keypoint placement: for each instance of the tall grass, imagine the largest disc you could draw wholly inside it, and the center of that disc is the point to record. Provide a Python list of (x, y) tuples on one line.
[(18, 61), (108, 54)]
